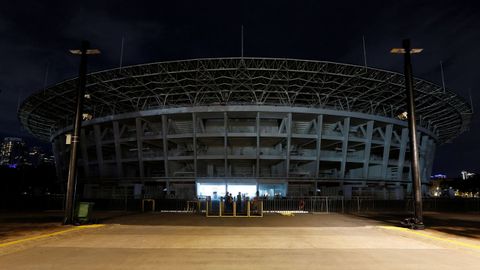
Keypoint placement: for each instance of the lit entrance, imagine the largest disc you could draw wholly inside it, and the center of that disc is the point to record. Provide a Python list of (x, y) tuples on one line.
[(245, 190), (241, 203), (217, 190), (213, 191)]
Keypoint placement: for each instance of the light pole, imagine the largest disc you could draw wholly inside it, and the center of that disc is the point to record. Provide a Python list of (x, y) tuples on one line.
[(72, 166), (415, 222)]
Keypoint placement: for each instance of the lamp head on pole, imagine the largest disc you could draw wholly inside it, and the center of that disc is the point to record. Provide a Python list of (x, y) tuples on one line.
[(402, 50), (89, 51), (406, 48), (85, 48)]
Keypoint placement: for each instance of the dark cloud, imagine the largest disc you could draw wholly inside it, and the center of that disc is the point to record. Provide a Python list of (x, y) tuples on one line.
[(37, 34)]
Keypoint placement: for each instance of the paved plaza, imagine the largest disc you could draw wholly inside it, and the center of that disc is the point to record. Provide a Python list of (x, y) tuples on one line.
[(186, 241)]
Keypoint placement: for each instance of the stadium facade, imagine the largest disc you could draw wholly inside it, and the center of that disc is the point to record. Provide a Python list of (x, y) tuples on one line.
[(283, 127)]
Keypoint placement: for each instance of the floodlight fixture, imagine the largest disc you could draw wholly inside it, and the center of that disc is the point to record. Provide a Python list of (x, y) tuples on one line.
[(88, 51), (402, 50), (403, 116)]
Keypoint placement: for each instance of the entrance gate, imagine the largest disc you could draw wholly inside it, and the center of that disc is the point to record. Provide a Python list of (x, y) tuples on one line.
[(245, 208)]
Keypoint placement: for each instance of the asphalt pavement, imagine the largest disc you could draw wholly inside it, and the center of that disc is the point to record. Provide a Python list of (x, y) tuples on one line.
[(187, 241)]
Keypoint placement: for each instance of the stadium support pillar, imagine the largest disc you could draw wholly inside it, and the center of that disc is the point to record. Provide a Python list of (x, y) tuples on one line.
[(72, 166), (319, 145), (257, 154), (225, 145), (165, 148), (84, 152), (289, 143), (417, 221), (368, 149), (403, 150), (346, 132), (386, 151), (139, 135), (98, 148), (118, 149), (195, 165)]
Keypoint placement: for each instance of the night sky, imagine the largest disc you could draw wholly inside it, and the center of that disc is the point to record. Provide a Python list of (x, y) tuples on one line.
[(35, 37)]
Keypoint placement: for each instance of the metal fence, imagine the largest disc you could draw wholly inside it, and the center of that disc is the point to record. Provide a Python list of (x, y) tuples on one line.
[(314, 204)]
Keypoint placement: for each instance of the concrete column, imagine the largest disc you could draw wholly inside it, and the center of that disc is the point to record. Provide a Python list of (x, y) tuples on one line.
[(319, 146), (83, 150), (346, 131), (194, 121), (399, 194), (386, 149), (368, 148), (225, 143), (139, 129), (98, 146), (423, 158), (430, 157), (403, 149), (257, 168), (165, 146), (118, 149), (289, 141)]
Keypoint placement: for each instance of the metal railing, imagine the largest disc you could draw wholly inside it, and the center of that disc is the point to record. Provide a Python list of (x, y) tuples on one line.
[(244, 208), (314, 204), (311, 204)]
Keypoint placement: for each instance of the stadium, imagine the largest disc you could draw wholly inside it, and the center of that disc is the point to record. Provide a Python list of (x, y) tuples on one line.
[(282, 127)]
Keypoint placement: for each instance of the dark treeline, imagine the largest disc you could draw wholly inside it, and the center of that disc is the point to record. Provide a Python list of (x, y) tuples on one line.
[(24, 186)]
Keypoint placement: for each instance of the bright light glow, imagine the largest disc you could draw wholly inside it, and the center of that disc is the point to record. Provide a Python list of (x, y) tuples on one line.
[(397, 50), (248, 190), (403, 116), (93, 51), (271, 190), (68, 138), (87, 116), (89, 51), (416, 50), (402, 50), (467, 175), (214, 190)]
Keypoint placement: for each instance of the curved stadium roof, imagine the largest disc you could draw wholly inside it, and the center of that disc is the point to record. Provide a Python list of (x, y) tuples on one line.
[(255, 81)]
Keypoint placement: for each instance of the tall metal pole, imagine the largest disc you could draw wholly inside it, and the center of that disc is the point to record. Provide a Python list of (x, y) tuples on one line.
[(72, 166), (417, 223)]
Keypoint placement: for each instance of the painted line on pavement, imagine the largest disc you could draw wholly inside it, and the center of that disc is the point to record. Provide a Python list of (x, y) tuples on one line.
[(77, 228), (460, 243)]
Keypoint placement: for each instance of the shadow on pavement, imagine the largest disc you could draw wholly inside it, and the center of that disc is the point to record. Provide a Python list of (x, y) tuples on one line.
[(18, 224), (269, 220), (464, 224)]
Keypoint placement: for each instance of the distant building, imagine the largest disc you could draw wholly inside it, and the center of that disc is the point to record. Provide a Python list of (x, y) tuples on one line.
[(438, 176), (37, 156), (467, 175), (12, 151)]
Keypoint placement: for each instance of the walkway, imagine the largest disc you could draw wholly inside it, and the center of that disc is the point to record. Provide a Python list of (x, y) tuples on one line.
[(181, 241)]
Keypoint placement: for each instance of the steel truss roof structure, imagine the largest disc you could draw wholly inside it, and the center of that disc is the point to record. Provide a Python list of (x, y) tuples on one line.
[(257, 81)]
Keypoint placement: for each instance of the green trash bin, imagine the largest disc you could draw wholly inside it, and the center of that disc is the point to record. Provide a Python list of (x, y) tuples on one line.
[(84, 212)]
